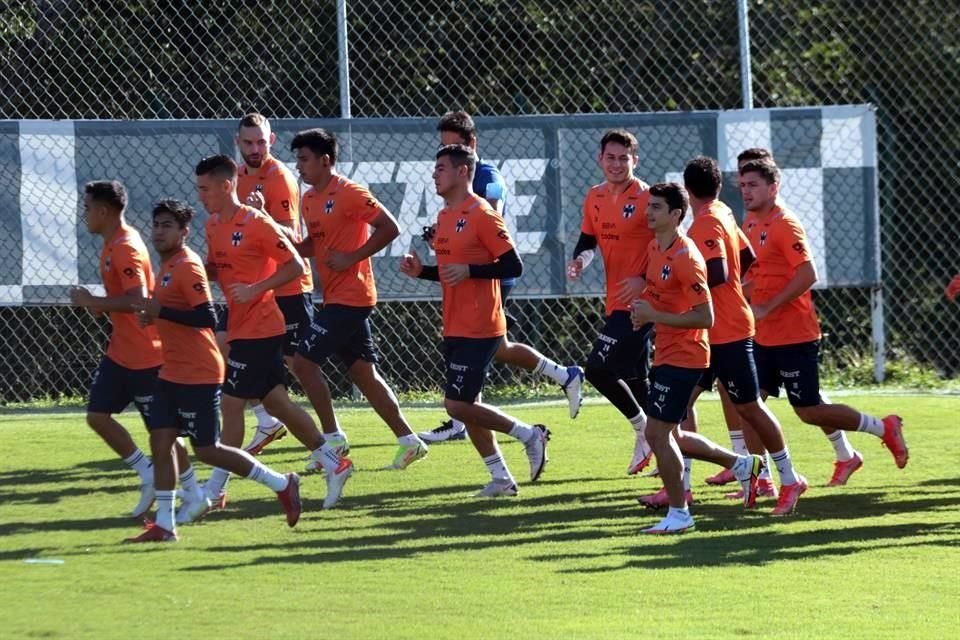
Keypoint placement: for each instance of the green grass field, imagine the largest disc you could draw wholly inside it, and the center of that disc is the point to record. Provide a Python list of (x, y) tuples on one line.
[(412, 555)]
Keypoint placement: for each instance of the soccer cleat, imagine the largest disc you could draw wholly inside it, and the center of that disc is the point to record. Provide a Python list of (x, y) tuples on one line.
[(446, 431), (154, 533), (749, 477), (893, 440), (498, 488), (338, 442), (765, 489), (264, 436), (194, 510), (660, 499), (537, 451), (407, 454), (842, 470), (724, 477), (335, 482), (147, 495), (789, 495), (573, 389), (290, 499), (642, 455), (218, 501), (674, 523)]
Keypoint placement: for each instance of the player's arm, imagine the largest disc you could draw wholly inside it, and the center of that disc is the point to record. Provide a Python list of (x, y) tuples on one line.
[(583, 254), (717, 272), (303, 247), (385, 231), (699, 317), (496, 240), (747, 255), (277, 247), (412, 266), (800, 283), (81, 297), (495, 189)]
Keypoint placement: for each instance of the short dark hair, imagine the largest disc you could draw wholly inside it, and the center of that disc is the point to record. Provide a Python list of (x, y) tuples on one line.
[(754, 153), (766, 168), (674, 194), (460, 155), (253, 119), (702, 177), (458, 122), (109, 192), (319, 141), (180, 210), (219, 166), (620, 136)]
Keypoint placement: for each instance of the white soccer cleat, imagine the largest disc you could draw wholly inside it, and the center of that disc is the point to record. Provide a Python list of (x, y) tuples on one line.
[(573, 389), (335, 482), (674, 523), (642, 455), (449, 430), (498, 489), (193, 510), (537, 451), (264, 436), (147, 496)]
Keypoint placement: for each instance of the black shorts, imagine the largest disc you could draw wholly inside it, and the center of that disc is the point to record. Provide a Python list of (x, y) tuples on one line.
[(796, 367), (341, 331), (733, 364), (670, 391), (115, 387), (466, 362), (297, 314), (620, 350), (255, 367), (192, 409)]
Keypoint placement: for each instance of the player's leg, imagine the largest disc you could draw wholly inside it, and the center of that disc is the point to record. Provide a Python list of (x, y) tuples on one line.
[(327, 333), (660, 498), (161, 420)]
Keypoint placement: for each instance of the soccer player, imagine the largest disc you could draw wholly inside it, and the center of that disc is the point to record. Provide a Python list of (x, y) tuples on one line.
[(717, 237), (250, 256), (339, 214), (474, 252), (265, 183), (128, 371), (788, 330), (614, 222), (953, 289), (677, 299), (457, 127), (187, 398)]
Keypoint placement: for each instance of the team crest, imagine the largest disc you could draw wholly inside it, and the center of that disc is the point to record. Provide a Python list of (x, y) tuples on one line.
[(165, 280), (461, 223), (665, 272), (763, 238), (328, 207), (236, 238), (629, 210)]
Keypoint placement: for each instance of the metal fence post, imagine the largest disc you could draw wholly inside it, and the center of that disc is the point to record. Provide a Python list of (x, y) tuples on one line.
[(746, 73)]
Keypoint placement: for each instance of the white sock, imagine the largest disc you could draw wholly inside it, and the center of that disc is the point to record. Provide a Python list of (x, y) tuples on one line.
[(497, 467), (522, 432), (267, 476), (784, 466), (188, 480), (409, 440), (765, 473), (687, 466), (165, 503), (141, 463), (264, 419), (682, 513), (329, 458), (552, 370), (217, 484), (738, 443), (639, 423), (870, 424), (841, 445)]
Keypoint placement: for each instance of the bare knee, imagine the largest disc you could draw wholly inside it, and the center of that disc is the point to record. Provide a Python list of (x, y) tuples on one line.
[(809, 415), (456, 409), (98, 421)]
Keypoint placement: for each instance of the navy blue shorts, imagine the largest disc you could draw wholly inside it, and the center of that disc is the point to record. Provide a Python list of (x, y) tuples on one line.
[(733, 365), (341, 331), (796, 367), (297, 314), (670, 391), (467, 361), (192, 409), (620, 350), (115, 387), (255, 367)]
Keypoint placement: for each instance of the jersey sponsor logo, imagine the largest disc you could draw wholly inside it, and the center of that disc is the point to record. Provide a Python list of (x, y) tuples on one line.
[(328, 207), (629, 210), (665, 272), (662, 388), (763, 238), (258, 187), (461, 224), (236, 237), (165, 280)]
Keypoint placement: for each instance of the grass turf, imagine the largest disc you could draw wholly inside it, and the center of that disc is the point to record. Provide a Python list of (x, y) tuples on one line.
[(412, 555)]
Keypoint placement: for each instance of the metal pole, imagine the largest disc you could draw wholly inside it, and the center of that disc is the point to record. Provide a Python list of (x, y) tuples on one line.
[(746, 74), (343, 59), (879, 334)]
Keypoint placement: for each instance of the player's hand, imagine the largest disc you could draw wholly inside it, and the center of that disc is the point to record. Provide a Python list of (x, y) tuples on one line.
[(243, 293), (953, 289), (411, 265), (80, 297), (630, 289), (641, 313), (760, 311), (145, 310), (256, 200), (428, 235), (338, 260), (452, 274), (574, 269)]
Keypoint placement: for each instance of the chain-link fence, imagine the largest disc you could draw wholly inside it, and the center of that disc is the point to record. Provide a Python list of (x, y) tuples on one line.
[(172, 60)]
